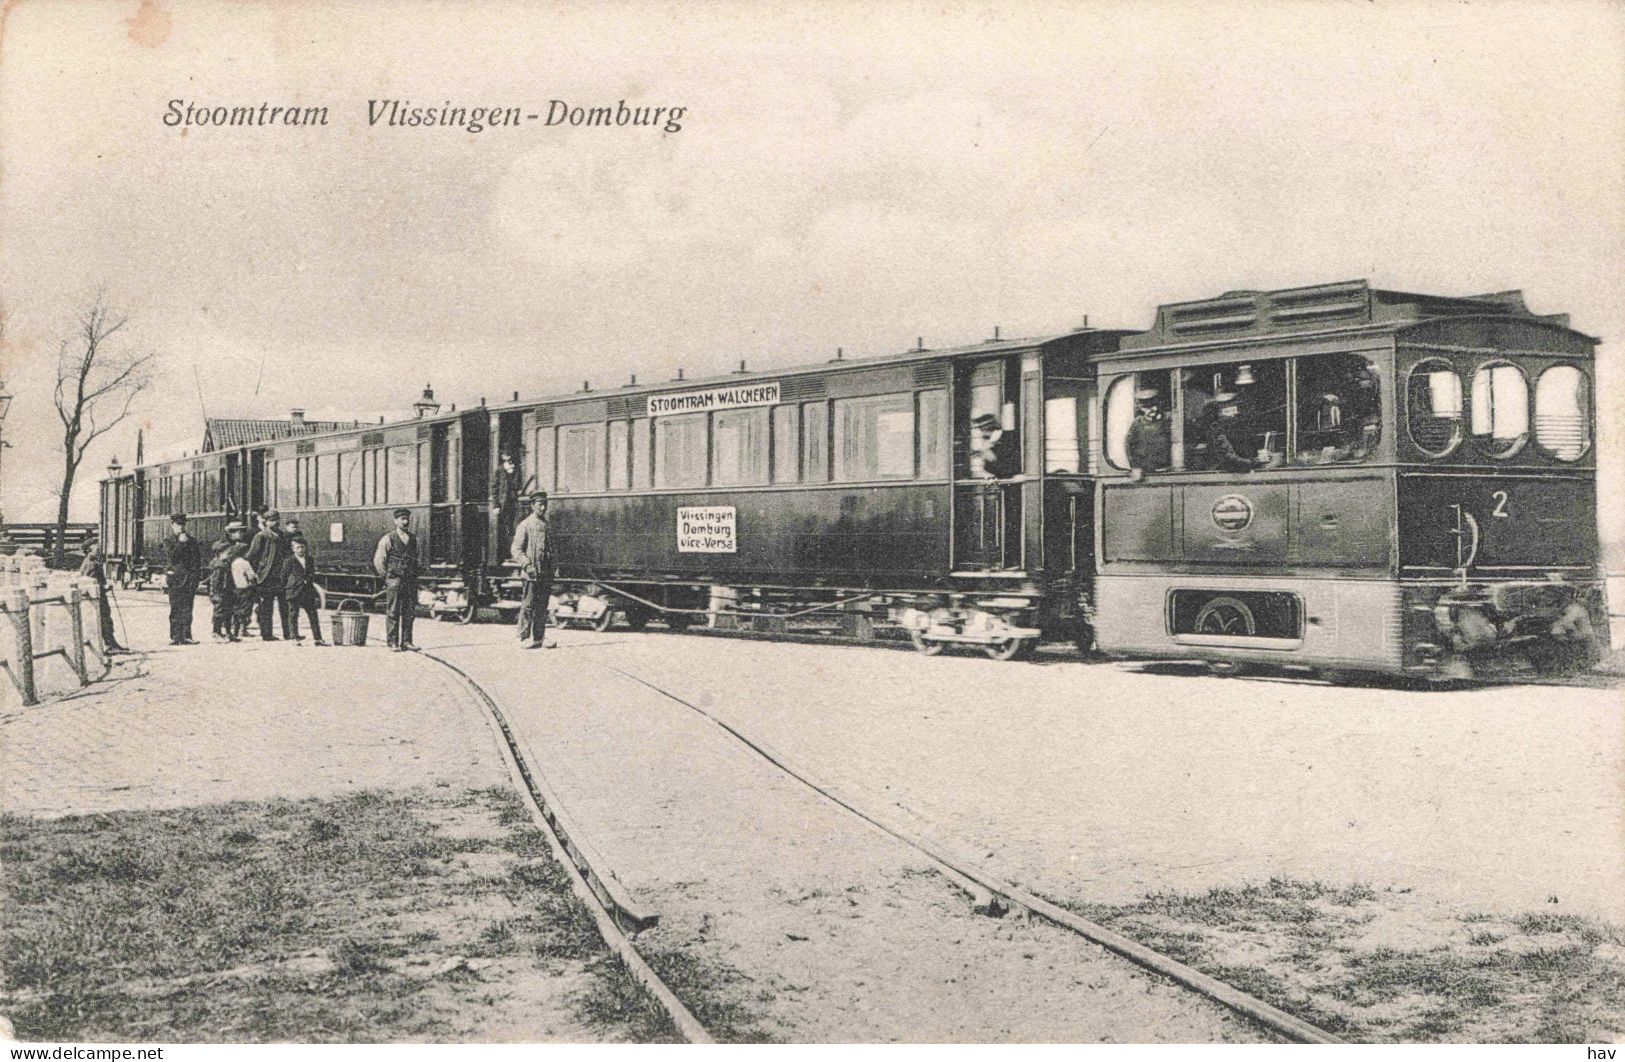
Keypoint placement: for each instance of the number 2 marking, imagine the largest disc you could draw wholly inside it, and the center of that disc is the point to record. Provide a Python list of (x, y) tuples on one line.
[(1500, 509)]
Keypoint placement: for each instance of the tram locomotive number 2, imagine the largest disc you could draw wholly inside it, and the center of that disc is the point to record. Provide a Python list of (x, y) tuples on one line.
[(1500, 510)]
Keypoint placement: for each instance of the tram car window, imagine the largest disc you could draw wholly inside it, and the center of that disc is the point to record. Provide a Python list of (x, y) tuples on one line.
[(1500, 409), (642, 453), (786, 444), (680, 447), (327, 480), (349, 481), (1433, 407), (1339, 413), (1139, 423), (401, 478), (815, 442), (993, 447), (739, 447), (933, 422), (542, 466), (620, 468), (1066, 405), (874, 438), (581, 458), (1562, 412)]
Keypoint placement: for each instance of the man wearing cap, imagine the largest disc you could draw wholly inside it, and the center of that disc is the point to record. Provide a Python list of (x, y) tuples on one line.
[(184, 572), (396, 559), (533, 552), (505, 488), (267, 553), (995, 447), (95, 568), (1219, 420), (1149, 448)]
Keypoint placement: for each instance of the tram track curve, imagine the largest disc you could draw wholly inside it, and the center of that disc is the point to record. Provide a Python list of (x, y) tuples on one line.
[(989, 894), (611, 908)]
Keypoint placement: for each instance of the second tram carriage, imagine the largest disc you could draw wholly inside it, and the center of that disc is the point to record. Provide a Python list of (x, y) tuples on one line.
[(1335, 477)]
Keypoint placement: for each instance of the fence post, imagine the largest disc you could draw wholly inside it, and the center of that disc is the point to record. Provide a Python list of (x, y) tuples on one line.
[(93, 626), (77, 621), (22, 624)]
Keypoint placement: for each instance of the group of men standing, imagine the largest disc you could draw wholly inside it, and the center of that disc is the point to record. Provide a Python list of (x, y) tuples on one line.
[(275, 573)]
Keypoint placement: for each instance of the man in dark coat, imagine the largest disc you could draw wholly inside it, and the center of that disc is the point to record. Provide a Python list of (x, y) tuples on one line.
[(267, 553), (533, 552), (95, 568), (1149, 448), (995, 447), (505, 488), (396, 559), (184, 572)]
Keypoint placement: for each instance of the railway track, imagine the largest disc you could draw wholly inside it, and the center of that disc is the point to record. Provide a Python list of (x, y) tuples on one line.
[(615, 912), (619, 914)]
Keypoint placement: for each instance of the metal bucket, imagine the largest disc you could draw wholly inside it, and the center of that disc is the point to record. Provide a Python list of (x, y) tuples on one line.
[(350, 628)]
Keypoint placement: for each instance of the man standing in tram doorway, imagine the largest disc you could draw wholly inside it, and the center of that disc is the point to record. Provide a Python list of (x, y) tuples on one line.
[(533, 552), (396, 559), (185, 570), (505, 488)]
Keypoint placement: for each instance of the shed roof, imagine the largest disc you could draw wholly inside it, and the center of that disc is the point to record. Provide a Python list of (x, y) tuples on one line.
[(224, 433)]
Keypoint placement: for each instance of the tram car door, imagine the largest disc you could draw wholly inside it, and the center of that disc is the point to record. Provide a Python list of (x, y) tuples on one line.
[(507, 437), (988, 466)]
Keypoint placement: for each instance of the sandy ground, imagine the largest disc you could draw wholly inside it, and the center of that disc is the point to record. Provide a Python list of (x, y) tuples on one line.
[(202, 724), (1102, 782), (811, 925), (214, 723), (1088, 783)]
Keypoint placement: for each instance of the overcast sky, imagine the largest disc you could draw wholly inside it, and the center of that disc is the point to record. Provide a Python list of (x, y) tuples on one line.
[(849, 175)]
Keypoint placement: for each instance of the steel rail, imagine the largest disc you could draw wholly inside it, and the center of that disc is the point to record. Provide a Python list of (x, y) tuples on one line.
[(605, 898), (1005, 895)]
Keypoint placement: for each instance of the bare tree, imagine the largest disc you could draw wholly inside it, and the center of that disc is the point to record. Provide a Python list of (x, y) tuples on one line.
[(95, 387)]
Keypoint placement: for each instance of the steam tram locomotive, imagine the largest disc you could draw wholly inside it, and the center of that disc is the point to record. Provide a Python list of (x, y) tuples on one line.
[(1337, 477)]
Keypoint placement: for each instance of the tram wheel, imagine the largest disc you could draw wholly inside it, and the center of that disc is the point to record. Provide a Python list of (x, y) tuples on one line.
[(637, 619), (1009, 649), (603, 623), (928, 648), (678, 621), (1225, 668)]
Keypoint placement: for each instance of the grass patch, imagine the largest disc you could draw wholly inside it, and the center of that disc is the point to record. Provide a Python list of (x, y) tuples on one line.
[(716, 995), (1327, 954), (320, 920)]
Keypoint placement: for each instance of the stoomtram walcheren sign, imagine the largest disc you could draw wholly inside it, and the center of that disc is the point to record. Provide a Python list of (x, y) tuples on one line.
[(766, 394), (706, 529)]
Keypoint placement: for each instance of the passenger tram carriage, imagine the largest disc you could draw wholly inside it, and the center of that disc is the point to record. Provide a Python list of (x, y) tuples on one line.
[(1337, 478)]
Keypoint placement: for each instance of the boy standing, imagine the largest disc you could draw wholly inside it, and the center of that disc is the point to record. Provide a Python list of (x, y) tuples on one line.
[(221, 593), (298, 575)]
